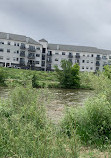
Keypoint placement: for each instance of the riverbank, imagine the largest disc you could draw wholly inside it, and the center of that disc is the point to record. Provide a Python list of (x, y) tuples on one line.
[(15, 77), (83, 131)]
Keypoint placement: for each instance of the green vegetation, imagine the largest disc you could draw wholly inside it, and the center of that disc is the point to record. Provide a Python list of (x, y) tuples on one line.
[(26, 132), (93, 121), (69, 76), (2, 77), (17, 77)]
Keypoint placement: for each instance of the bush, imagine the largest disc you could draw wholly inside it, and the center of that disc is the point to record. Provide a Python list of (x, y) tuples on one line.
[(91, 122), (35, 83), (2, 77), (69, 75)]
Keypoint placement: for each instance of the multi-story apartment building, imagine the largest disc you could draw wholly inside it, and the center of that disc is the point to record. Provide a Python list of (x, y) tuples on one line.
[(24, 52)]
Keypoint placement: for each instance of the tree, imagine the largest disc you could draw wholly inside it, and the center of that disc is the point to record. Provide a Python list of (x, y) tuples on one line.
[(107, 71), (69, 75)]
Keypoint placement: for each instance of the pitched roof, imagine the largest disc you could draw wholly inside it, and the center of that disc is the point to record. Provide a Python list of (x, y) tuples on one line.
[(78, 48), (43, 40), (16, 37)]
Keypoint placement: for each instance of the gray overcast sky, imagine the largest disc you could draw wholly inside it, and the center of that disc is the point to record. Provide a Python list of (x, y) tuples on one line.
[(77, 22)]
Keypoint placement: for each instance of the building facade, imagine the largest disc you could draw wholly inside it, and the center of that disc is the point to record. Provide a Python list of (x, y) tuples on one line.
[(24, 52)]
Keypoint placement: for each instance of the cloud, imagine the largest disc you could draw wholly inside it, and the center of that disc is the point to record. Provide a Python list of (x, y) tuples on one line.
[(82, 22)]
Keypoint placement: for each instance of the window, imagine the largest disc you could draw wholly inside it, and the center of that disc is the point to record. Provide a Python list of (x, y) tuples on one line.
[(15, 59), (38, 48), (17, 51), (1, 50), (8, 43), (8, 50), (17, 44), (37, 62), (83, 61), (104, 57), (63, 53), (8, 58), (87, 67), (1, 57), (37, 55), (14, 44), (92, 55), (43, 50), (56, 59), (87, 61), (83, 55), (82, 67), (88, 55), (91, 68), (1, 42), (56, 53), (109, 57)]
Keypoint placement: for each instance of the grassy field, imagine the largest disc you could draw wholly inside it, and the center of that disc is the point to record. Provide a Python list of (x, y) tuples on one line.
[(14, 77)]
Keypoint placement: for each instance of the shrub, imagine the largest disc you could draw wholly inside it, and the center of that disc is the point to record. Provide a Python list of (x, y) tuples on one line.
[(35, 83), (69, 75), (91, 122), (2, 77)]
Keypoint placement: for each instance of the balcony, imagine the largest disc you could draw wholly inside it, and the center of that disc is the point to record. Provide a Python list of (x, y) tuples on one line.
[(97, 64), (49, 60), (98, 58), (49, 53), (48, 67), (97, 68), (43, 57), (70, 56), (22, 62), (22, 46), (77, 56), (22, 54), (31, 49), (30, 63), (43, 50), (43, 63), (31, 56)]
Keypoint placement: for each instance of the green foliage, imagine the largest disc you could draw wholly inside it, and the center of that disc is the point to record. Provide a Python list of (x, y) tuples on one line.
[(91, 122), (69, 75), (25, 130), (2, 77), (35, 83), (107, 71)]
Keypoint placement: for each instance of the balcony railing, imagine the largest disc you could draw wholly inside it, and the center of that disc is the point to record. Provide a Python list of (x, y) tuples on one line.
[(22, 47), (22, 54), (70, 56), (49, 53), (31, 49), (22, 62), (31, 56), (30, 63), (98, 58), (97, 64), (77, 56)]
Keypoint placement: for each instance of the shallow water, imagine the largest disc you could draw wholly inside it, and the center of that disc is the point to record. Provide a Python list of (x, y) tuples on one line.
[(65, 98), (59, 99)]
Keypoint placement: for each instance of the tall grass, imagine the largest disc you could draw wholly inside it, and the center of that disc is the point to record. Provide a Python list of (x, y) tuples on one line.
[(25, 130)]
